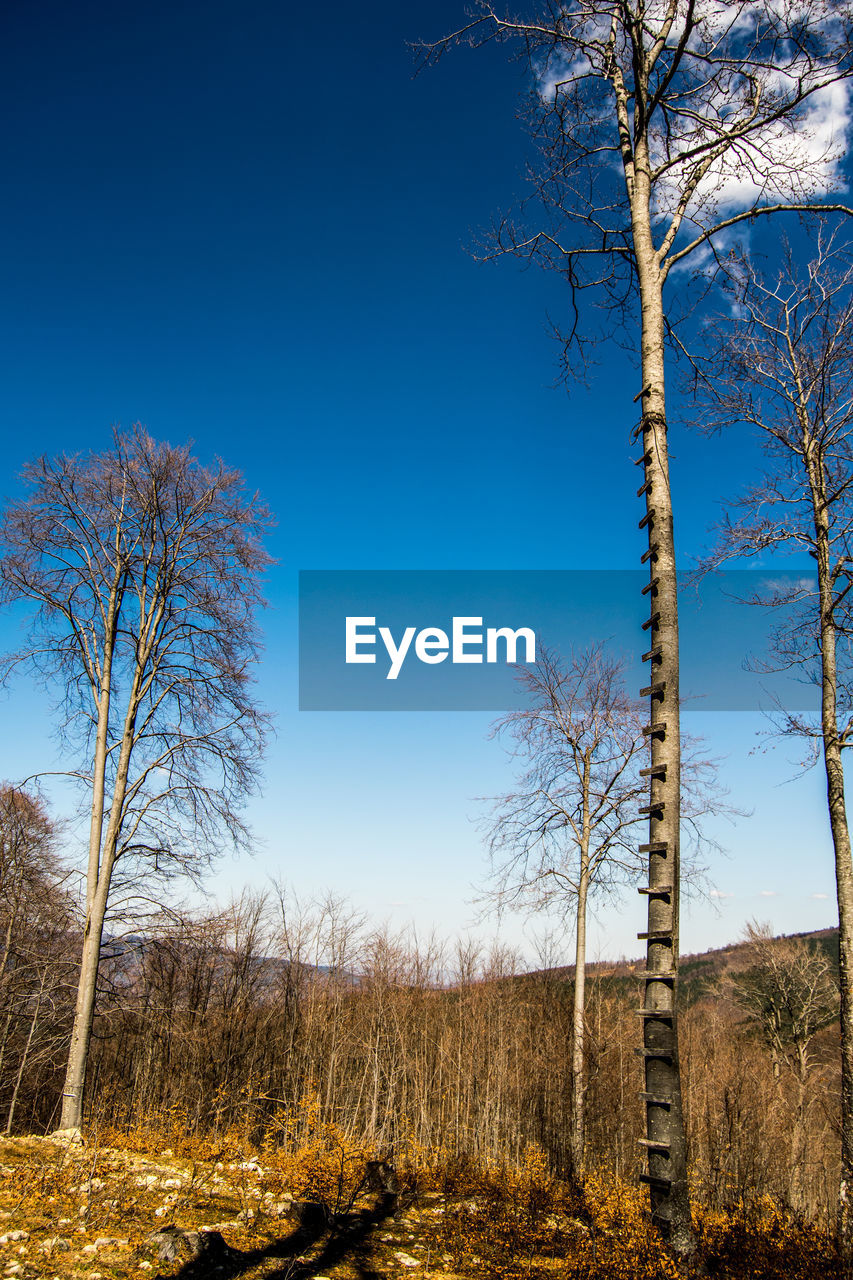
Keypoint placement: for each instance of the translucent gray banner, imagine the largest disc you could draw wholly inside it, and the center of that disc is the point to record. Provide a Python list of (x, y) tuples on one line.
[(448, 640)]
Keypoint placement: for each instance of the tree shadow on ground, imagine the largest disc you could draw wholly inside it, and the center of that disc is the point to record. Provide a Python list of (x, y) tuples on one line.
[(347, 1237)]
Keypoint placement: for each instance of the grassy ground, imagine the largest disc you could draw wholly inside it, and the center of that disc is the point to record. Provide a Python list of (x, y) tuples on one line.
[(88, 1212)]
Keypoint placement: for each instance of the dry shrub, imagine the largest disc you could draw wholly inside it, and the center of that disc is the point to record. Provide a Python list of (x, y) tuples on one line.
[(483, 1219), (313, 1158), (518, 1222), (525, 1222), (763, 1241)]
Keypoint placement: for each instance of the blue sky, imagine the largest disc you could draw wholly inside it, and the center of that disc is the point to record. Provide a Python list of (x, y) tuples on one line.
[(247, 226)]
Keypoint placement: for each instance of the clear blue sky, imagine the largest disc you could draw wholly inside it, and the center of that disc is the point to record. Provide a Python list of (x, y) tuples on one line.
[(247, 226)]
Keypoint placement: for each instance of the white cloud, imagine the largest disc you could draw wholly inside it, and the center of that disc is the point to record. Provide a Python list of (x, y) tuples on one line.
[(768, 893), (796, 157), (720, 893), (820, 897)]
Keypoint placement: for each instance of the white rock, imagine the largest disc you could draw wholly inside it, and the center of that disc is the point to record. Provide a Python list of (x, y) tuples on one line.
[(73, 1136), (56, 1244), (12, 1236), (406, 1260)]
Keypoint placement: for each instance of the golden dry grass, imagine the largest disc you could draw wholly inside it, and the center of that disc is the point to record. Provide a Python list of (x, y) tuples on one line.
[(85, 1212)]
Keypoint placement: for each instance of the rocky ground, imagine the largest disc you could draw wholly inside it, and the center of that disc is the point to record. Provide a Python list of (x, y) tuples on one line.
[(92, 1214), (88, 1212)]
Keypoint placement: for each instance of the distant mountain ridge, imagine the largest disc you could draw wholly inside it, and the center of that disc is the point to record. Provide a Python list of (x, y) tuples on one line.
[(698, 971)]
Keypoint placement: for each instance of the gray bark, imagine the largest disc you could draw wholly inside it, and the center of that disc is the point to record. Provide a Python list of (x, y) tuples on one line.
[(576, 1139), (834, 770), (665, 1140), (98, 875), (84, 1013)]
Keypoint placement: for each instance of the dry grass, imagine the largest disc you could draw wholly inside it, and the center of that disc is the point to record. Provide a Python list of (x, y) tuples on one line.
[(85, 1212)]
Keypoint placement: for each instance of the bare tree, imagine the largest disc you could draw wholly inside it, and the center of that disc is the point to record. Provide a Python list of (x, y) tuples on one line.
[(565, 833), (37, 969), (659, 129), (29, 870), (789, 992), (144, 567), (784, 365)]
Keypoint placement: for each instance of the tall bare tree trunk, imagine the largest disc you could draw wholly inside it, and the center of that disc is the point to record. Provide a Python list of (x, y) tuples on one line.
[(576, 1137), (840, 837), (84, 1013), (665, 1140), (844, 882), (96, 900)]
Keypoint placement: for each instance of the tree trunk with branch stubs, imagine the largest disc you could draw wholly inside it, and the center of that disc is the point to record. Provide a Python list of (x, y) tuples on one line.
[(665, 1140), (837, 806)]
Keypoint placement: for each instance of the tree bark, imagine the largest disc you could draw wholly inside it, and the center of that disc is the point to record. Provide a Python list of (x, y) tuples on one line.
[(84, 1013), (834, 769), (665, 1139), (576, 1138), (96, 898)]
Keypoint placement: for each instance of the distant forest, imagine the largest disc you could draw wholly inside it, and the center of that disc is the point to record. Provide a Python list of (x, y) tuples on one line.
[(259, 1022)]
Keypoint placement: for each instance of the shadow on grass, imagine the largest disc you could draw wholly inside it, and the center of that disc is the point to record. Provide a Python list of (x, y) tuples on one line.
[(347, 1238)]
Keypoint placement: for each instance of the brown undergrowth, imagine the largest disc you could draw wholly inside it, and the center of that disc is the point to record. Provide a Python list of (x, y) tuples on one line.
[(70, 1212)]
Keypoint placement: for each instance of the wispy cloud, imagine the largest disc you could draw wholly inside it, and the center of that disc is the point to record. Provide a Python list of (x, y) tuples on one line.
[(795, 155)]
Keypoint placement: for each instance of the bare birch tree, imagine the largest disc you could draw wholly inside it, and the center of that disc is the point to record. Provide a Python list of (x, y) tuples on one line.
[(565, 832), (144, 569), (659, 129), (784, 366)]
